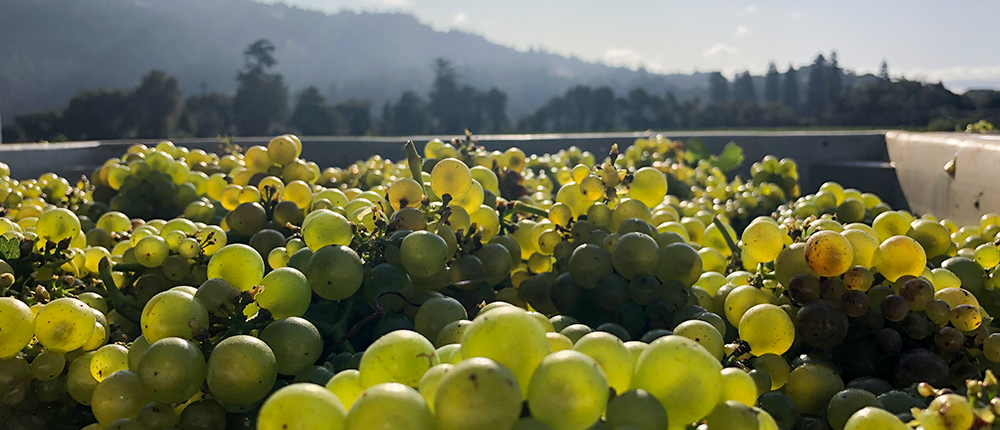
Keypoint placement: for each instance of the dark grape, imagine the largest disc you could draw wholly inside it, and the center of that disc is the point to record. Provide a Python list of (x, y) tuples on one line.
[(895, 308), (804, 288), (822, 324)]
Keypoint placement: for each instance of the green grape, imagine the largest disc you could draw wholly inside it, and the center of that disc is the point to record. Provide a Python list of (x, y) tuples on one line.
[(875, 418), (987, 255), (635, 254), (472, 198), (241, 370), (966, 317), (400, 356), (405, 193), (295, 342), (237, 264), (302, 406), (202, 415), (107, 360), (764, 240), (636, 408), (589, 264), (172, 370), (151, 251), (390, 406), (775, 366), (477, 393), (15, 380), (423, 253), (57, 225), (558, 342), (932, 236), (593, 188), (47, 365), (509, 336), (18, 326), (956, 296), (450, 354), (488, 221), (64, 324), (216, 294), (335, 272), (766, 328), (135, 351), (173, 313), (712, 260), (890, 223), (791, 261), (568, 391), (740, 300), (459, 220), (284, 149), (451, 333), (126, 424), (437, 313), (828, 253), (560, 214), (705, 334), (946, 412), (811, 386), (627, 209), (120, 395), (496, 262), (991, 348), (610, 353), (648, 186), (431, 380), (487, 178), (733, 415), (98, 337), (682, 375), (211, 239), (900, 255), (286, 293), (680, 262), (156, 415), (325, 227), (452, 177), (739, 386), (346, 385), (844, 404)]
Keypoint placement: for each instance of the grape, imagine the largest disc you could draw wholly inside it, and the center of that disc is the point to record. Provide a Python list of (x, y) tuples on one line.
[(738, 385), (775, 366), (680, 262), (405, 192), (295, 342), (173, 313), (283, 149), (47, 365), (216, 295), (889, 224), (452, 332), (733, 415), (107, 360), (844, 404), (346, 385), (966, 317), (431, 380), (156, 415), (610, 353), (874, 418), (496, 262), (452, 177), (390, 406), (172, 370), (932, 236), (151, 251), (949, 411), (302, 406), (900, 255), (705, 334), (828, 253), (335, 272), (648, 186), (63, 324), (568, 391), (325, 227), (811, 386), (487, 178), (286, 293), (634, 254), (437, 313), (401, 356), (589, 264), (763, 240), (803, 288), (237, 264), (423, 253), (57, 225), (682, 375), (120, 395), (477, 393), (790, 262), (740, 300), (18, 326), (241, 370), (135, 351), (991, 348), (780, 407), (510, 337)]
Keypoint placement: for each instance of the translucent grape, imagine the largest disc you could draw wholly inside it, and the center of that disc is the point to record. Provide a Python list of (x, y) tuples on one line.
[(118, 396), (680, 262), (610, 353), (346, 385), (900, 255), (18, 326), (172, 370), (874, 418), (648, 186), (477, 393), (325, 227), (437, 313), (828, 253), (682, 375), (241, 370), (452, 177), (634, 254), (295, 342), (423, 253), (302, 406), (237, 264), (173, 313), (568, 391), (767, 328), (286, 293), (107, 360), (401, 356), (764, 240), (64, 324), (390, 406), (335, 272), (151, 251), (57, 225), (509, 336)]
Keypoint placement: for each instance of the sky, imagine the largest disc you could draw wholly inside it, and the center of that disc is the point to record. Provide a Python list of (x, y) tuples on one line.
[(954, 42)]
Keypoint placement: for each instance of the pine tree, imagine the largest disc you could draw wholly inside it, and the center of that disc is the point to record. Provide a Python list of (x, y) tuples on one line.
[(743, 89), (834, 81), (772, 84), (790, 88), (718, 87), (883, 70), (816, 92)]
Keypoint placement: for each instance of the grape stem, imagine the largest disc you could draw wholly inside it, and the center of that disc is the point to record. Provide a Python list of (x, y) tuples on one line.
[(416, 164), (725, 234), (521, 207), (378, 313), (121, 303)]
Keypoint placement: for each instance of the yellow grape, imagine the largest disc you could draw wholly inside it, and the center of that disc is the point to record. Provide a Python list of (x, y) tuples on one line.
[(239, 265), (509, 336), (900, 255), (401, 356), (767, 328), (18, 326), (828, 253), (302, 406), (64, 324), (452, 177), (684, 376), (610, 353), (346, 385), (568, 391)]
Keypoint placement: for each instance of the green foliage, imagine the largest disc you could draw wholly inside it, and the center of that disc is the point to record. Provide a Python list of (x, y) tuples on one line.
[(730, 158)]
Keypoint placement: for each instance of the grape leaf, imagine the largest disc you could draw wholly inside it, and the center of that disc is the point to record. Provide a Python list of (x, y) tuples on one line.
[(10, 249), (730, 158), (694, 150)]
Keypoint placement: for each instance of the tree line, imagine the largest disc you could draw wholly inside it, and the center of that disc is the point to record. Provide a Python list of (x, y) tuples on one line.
[(261, 106)]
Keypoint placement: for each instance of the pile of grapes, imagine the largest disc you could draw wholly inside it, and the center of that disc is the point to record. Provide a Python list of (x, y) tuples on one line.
[(468, 289)]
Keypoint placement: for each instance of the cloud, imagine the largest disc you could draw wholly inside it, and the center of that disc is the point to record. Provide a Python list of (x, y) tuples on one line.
[(752, 8), (719, 48), (797, 16), (622, 57), (953, 74), (460, 19), (390, 4), (742, 30)]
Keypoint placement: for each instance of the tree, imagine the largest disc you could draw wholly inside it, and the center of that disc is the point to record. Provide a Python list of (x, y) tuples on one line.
[(494, 110), (883, 70), (207, 115), (154, 104), (834, 82), (816, 91), (409, 115), (743, 90), (356, 115), (790, 88), (261, 97), (718, 87), (772, 84), (312, 116), (96, 114), (447, 107)]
